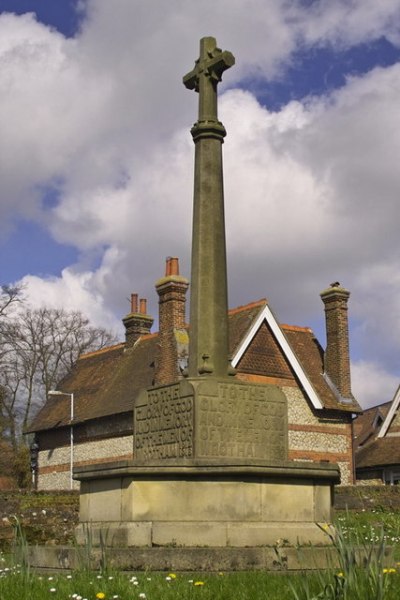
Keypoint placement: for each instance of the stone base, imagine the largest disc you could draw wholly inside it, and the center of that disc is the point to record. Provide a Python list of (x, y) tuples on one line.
[(184, 559), (212, 534), (192, 559), (205, 504)]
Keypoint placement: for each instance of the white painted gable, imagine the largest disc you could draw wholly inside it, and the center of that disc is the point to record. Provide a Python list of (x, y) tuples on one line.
[(267, 316)]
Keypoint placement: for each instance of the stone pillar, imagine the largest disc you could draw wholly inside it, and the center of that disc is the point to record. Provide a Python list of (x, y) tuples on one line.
[(173, 338), (208, 349), (137, 322), (337, 353)]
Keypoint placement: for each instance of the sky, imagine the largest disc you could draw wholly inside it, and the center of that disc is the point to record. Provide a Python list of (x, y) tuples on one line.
[(96, 158)]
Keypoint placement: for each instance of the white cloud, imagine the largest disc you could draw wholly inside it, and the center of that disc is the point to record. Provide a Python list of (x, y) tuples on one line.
[(349, 22), (377, 306), (49, 108), (269, 191), (80, 291), (372, 384), (311, 190)]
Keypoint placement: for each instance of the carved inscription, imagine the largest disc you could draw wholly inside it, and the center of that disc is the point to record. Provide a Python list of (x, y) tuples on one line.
[(164, 424), (232, 420), (241, 421)]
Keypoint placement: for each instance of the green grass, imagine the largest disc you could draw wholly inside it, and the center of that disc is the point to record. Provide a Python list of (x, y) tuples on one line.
[(362, 574), (155, 586), (367, 526), (38, 501), (241, 586)]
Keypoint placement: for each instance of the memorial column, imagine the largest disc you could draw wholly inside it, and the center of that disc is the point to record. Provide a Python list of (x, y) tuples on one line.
[(208, 345)]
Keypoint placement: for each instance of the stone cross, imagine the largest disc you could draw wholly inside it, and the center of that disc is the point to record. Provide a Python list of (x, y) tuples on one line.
[(209, 415), (208, 343), (206, 75)]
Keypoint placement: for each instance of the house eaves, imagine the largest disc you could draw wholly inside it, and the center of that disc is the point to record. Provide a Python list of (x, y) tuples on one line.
[(391, 414)]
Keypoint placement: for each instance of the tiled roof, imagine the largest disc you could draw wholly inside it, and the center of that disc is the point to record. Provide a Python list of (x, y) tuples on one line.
[(264, 356), (240, 321), (365, 427), (104, 383), (380, 452), (311, 356), (107, 382)]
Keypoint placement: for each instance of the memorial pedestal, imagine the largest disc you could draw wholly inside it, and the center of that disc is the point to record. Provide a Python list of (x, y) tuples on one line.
[(202, 503), (210, 469)]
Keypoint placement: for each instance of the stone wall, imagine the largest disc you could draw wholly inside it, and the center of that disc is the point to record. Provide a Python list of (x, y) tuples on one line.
[(367, 497), (313, 437), (54, 465), (45, 518), (370, 481)]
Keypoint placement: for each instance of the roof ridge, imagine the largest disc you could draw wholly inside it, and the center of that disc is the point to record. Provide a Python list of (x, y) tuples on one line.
[(148, 336), (377, 406), (243, 307), (101, 351), (296, 328)]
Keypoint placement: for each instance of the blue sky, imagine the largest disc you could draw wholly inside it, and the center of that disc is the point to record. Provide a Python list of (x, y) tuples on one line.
[(96, 157), (63, 15)]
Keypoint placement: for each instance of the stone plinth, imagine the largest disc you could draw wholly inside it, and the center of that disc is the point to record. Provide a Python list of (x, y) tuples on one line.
[(210, 470), (205, 503), (198, 559), (211, 418)]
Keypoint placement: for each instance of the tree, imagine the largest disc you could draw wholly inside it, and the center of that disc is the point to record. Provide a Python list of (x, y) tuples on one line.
[(9, 295), (37, 349)]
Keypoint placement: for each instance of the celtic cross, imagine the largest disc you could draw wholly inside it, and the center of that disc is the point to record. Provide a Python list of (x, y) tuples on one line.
[(205, 76)]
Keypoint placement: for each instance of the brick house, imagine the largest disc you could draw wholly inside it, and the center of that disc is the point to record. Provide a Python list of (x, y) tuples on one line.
[(377, 444), (105, 383)]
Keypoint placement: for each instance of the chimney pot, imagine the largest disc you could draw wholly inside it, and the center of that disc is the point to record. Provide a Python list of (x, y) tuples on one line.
[(134, 303), (143, 306), (171, 266), (137, 322), (174, 266)]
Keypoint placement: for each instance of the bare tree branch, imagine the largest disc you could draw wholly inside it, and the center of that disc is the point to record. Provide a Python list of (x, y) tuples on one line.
[(9, 295), (37, 349)]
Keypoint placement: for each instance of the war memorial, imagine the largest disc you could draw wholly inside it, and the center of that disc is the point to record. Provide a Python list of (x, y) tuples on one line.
[(210, 485)]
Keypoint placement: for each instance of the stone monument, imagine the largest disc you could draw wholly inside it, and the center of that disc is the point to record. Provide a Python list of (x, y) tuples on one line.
[(210, 464)]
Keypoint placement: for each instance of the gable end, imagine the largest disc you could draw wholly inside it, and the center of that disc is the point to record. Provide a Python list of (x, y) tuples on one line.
[(265, 357), (267, 316)]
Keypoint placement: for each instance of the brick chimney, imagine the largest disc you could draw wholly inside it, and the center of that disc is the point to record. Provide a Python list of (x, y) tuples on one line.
[(137, 322), (173, 337), (337, 354)]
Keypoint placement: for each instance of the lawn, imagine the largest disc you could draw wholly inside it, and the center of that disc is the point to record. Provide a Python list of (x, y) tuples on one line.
[(151, 586), (367, 526), (372, 580), (16, 585)]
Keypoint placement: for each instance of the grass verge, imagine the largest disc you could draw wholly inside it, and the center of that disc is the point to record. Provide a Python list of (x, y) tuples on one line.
[(360, 541)]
